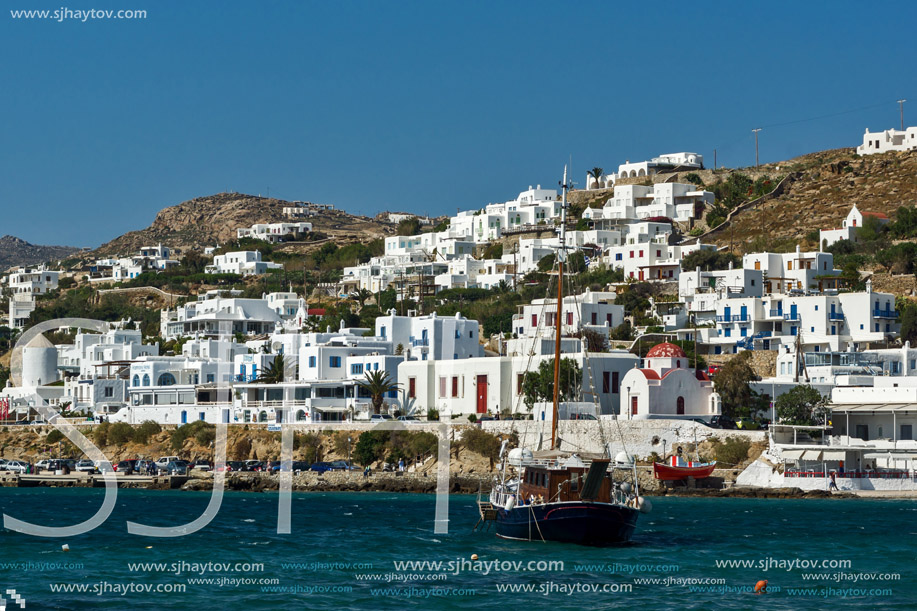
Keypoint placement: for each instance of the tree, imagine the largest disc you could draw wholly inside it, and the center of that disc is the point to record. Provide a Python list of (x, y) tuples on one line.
[(595, 341), (909, 323), (731, 382), (409, 226), (362, 295), (273, 373), (376, 384), (709, 260), (802, 405), (597, 174), (539, 385)]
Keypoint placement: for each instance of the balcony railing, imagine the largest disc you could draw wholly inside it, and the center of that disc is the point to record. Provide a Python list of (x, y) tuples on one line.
[(835, 316), (791, 316), (732, 318), (776, 313), (884, 314), (423, 341)]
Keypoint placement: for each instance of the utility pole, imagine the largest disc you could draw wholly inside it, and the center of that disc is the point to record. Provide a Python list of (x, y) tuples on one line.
[(756, 130), (714, 160), (901, 110)]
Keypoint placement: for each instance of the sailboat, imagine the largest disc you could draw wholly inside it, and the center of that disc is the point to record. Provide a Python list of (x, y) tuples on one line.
[(565, 499)]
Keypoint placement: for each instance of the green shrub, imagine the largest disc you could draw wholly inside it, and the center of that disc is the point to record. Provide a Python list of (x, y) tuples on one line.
[(732, 450), (432, 414), (120, 433), (482, 442), (54, 436), (202, 432), (146, 430), (100, 434)]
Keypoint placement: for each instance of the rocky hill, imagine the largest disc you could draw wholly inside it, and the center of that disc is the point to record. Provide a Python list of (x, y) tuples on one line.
[(824, 187), (15, 251), (214, 219)]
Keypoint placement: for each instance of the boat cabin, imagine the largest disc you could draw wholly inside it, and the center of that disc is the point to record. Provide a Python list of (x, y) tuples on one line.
[(548, 484)]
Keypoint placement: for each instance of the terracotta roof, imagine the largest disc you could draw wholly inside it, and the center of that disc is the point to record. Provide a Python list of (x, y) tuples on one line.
[(665, 350), (316, 312), (650, 374), (877, 215)]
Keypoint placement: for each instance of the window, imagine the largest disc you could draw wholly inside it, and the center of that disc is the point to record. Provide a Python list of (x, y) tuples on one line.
[(146, 376), (442, 386), (210, 378), (412, 387), (658, 253), (619, 256), (606, 382), (356, 368), (615, 383), (680, 405), (534, 320), (520, 379), (455, 386), (334, 361), (569, 318), (631, 254), (166, 379), (641, 253), (789, 265), (136, 381), (109, 391), (816, 308), (311, 361), (594, 318)]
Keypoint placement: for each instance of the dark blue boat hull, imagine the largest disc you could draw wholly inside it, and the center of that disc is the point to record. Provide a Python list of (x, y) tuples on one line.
[(568, 522)]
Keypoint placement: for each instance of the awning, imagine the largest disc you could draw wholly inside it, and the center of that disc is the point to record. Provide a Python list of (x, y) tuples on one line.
[(792, 454), (892, 455), (833, 455), (873, 407), (812, 455)]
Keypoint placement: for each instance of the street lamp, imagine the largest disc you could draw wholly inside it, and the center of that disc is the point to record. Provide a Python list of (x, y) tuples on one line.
[(349, 440), (627, 404)]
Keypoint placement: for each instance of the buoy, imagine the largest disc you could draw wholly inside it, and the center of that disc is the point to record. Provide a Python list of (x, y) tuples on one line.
[(149, 547), (761, 587), (65, 547), (474, 556)]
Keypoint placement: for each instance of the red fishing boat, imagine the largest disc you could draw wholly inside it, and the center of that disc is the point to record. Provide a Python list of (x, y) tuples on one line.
[(680, 469)]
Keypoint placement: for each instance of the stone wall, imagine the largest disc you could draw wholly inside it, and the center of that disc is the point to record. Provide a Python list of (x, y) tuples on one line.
[(764, 362), (896, 284)]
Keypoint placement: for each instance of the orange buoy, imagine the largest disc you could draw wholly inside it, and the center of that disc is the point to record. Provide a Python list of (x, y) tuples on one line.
[(761, 587)]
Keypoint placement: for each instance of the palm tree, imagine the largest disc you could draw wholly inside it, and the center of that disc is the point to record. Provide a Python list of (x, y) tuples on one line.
[(597, 174), (362, 295), (376, 384), (273, 373)]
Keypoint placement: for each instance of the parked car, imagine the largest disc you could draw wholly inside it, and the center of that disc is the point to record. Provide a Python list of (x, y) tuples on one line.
[(342, 465), (273, 466), (177, 467), (408, 419), (42, 464), (164, 460), (300, 465), (127, 467), (3, 462), (722, 422), (144, 465), (104, 466), (748, 424), (86, 466), (321, 467), (254, 465), (16, 466), (232, 465), (380, 417), (201, 465)]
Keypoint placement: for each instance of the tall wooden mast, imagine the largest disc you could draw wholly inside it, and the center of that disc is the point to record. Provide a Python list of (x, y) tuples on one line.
[(558, 315)]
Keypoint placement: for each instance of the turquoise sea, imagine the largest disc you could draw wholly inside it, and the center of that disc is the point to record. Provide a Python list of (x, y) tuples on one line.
[(344, 547)]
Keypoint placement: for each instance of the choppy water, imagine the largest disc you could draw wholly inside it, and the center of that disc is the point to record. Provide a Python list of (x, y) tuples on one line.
[(682, 541)]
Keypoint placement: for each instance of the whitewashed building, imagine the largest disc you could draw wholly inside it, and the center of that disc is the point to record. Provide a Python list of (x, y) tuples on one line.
[(849, 227), (243, 263), (274, 232), (888, 140)]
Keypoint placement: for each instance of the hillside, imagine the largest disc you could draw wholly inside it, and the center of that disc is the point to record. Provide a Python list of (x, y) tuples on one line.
[(826, 185), (820, 190), (15, 251), (213, 219)]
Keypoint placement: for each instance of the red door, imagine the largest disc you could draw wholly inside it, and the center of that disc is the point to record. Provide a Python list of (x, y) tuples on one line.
[(641, 274), (482, 394), (633, 406)]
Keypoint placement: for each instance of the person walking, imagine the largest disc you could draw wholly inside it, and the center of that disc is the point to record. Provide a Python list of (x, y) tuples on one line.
[(833, 484)]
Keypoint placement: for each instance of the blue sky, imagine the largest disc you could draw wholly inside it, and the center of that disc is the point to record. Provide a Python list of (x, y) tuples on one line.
[(418, 106)]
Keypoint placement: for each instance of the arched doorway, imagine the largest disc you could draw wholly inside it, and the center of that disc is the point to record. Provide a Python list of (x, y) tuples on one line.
[(262, 417), (301, 416), (680, 406)]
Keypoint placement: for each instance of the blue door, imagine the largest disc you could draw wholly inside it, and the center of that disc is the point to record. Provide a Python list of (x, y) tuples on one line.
[(744, 313), (793, 312), (727, 313), (184, 417)]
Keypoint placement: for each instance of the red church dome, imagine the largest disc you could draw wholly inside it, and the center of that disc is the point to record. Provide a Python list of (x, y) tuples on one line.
[(666, 350)]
